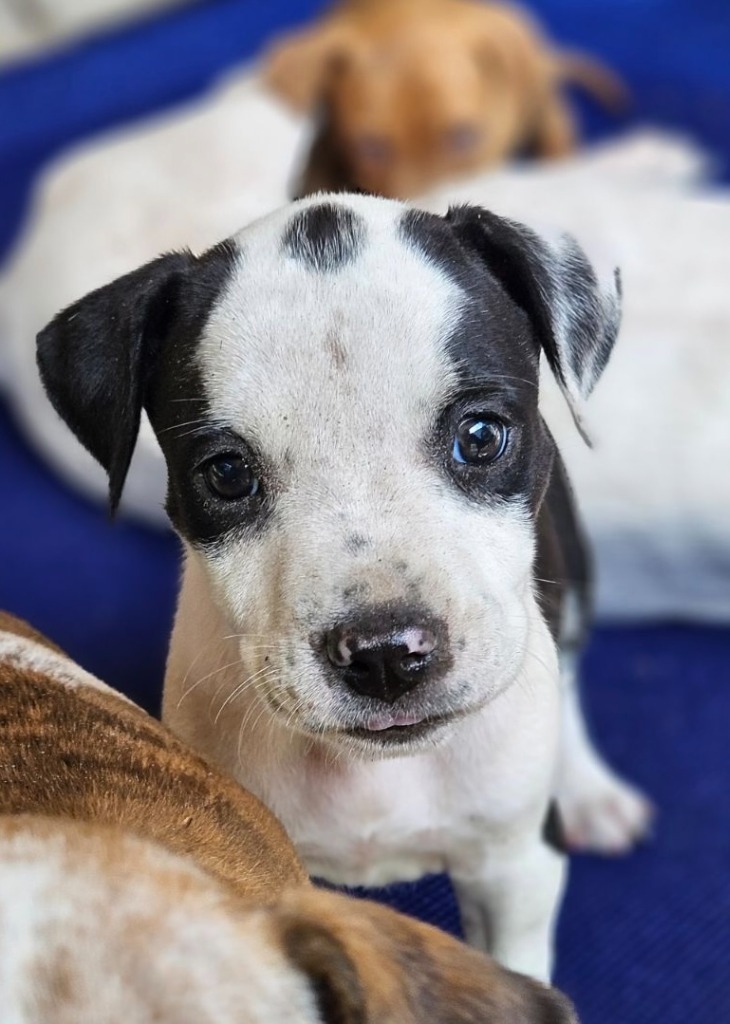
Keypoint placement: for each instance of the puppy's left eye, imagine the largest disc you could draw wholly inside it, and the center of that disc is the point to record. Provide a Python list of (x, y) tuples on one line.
[(480, 440), (229, 477)]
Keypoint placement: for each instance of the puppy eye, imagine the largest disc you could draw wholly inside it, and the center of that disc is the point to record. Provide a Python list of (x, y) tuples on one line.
[(480, 440), (462, 138), (373, 149), (229, 477)]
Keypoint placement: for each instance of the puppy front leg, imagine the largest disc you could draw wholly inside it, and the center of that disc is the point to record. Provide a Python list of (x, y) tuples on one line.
[(600, 811), (509, 902)]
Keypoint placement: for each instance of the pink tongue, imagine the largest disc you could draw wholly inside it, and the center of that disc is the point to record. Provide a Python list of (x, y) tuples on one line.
[(389, 721)]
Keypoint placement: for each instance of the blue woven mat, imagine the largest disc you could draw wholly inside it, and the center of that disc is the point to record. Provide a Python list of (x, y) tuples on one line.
[(642, 941)]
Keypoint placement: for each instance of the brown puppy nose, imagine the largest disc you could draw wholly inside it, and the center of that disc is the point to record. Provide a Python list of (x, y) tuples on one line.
[(384, 664)]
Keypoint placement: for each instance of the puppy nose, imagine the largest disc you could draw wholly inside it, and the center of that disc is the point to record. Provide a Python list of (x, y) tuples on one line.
[(383, 664)]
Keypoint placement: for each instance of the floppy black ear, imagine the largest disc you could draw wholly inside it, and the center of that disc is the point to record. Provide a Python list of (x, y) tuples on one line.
[(96, 357), (576, 317)]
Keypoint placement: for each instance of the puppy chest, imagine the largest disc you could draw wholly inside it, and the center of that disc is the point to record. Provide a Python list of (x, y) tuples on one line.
[(375, 831)]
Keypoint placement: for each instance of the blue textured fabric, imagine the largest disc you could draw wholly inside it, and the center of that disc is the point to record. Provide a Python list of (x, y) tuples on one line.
[(642, 940)]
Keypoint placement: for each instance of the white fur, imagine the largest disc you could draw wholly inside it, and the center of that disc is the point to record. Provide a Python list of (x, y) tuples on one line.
[(659, 546), (98, 928), (473, 805), (22, 652)]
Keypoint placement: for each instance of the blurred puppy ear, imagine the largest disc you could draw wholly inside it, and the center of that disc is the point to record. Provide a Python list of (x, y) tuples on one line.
[(511, 43), (318, 954), (299, 67), (575, 316)]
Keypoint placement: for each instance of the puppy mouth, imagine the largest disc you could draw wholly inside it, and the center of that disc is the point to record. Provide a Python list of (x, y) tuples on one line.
[(400, 727)]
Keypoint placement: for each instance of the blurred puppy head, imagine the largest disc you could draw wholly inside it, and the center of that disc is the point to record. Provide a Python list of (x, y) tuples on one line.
[(97, 925), (412, 93)]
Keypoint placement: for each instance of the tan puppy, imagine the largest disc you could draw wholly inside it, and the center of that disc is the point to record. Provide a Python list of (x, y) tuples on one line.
[(414, 91), (98, 925)]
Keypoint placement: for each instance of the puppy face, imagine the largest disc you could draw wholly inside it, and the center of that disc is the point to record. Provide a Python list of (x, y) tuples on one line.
[(423, 109), (411, 96), (346, 396), (96, 924)]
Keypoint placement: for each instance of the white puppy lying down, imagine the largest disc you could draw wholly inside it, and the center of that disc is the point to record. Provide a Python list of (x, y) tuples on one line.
[(198, 175)]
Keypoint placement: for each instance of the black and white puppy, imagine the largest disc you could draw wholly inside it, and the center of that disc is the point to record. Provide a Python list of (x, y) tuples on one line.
[(381, 552)]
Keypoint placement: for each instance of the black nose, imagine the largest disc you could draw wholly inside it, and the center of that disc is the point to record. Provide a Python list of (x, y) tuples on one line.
[(385, 662)]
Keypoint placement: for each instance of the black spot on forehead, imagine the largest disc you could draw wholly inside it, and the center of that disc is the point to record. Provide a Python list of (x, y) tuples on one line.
[(325, 237)]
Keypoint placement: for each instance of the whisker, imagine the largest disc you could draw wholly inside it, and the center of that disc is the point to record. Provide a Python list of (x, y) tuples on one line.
[(188, 423), (237, 690), (232, 664)]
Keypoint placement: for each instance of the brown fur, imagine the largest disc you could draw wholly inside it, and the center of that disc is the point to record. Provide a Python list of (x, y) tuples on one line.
[(84, 766), (407, 971), (90, 755), (414, 91)]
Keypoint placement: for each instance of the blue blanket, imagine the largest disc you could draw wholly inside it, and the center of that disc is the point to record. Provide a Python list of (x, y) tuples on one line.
[(642, 941)]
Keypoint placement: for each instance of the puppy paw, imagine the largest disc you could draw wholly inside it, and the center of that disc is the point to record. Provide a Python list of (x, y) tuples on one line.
[(601, 813)]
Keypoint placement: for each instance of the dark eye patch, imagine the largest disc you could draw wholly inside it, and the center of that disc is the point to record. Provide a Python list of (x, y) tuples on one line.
[(218, 484)]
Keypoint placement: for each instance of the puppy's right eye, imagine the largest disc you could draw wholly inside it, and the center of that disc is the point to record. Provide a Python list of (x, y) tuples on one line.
[(229, 477)]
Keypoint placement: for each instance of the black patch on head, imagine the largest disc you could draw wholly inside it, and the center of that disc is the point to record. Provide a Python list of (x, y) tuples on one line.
[(187, 428), (325, 237), (520, 297), (435, 240), (196, 511), (115, 352), (496, 357), (512, 282), (541, 280), (553, 833), (494, 338)]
